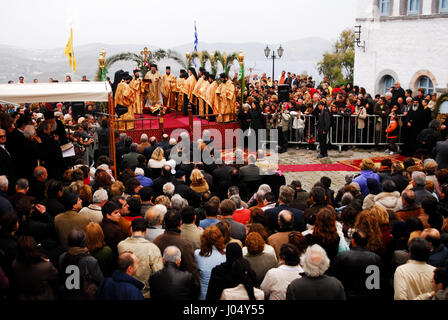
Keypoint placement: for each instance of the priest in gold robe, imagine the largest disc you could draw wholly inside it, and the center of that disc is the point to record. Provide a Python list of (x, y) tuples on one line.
[(179, 93), (226, 99), (137, 87), (154, 92), (187, 89), (197, 87), (168, 89), (202, 105), (210, 96), (125, 96)]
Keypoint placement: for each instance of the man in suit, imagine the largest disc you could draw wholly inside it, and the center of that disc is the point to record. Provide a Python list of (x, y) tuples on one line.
[(221, 179), (147, 152), (164, 144), (6, 162), (323, 126), (130, 160), (250, 175), (286, 196)]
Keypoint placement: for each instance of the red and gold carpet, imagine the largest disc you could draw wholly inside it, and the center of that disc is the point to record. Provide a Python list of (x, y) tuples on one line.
[(356, 163)]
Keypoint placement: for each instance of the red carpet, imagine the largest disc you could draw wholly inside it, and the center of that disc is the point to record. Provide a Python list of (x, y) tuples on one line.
[(315, 167), (355, 163)]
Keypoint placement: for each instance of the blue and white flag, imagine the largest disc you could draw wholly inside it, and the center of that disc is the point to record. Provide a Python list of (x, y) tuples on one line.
[(195, 41), (195, 37)]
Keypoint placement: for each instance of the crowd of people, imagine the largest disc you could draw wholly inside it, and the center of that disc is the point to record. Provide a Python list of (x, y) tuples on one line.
[(352, 115), (158, 228)]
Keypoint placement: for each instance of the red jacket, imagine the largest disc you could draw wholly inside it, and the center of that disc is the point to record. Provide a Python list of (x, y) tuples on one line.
[(391, 130)]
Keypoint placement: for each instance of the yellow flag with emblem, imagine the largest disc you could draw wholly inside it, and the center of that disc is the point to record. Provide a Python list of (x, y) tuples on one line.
[(69, 51)]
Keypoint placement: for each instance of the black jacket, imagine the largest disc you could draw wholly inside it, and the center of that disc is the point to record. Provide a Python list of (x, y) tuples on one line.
[(401, 181), (350, 268), (272, 214), (220, 279), (7, 167), (256, 119), (193, 198), (170, 283), (324, 121)]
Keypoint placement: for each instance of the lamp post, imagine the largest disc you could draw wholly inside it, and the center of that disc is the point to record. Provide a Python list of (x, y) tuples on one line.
[(188, 56), (267, 52), (101, 61), (359, 43), (212, 61), (241, 61)]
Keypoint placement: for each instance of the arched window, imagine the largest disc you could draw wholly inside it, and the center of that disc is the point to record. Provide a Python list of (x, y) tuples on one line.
[(386, 82), (425, 83)]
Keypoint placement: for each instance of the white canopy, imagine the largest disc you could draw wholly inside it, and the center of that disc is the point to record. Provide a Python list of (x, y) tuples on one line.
[(55, 92)]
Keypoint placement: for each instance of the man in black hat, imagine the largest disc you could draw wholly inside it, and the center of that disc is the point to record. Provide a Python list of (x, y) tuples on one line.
[(197, 87), (154, 97), (187, 89), (226, 99), (124, 99), (179, 94), (210, 101), (168, 87)]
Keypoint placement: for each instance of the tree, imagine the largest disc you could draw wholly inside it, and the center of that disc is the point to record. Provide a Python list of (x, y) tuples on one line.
[(142, 65), (338, 65), (171, 54), (226, 60), (203, 57)]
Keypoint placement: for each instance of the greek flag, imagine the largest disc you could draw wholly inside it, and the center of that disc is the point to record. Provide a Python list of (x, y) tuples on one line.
[(195, 37), (195, 41)]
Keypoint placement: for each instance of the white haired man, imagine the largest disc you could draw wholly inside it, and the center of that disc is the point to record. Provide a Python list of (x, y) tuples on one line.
[(5, 204), (154, 216), (143, 143), (315, 285), (93, 211)]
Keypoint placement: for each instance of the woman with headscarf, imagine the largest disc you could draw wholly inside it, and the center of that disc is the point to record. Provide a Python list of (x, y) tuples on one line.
[(221, 276)]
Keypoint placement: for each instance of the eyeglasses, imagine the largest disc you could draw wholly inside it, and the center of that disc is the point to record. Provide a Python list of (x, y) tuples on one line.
[(2, 135)]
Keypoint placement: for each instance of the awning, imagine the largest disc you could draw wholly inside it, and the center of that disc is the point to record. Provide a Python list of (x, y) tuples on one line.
[(55, 92)]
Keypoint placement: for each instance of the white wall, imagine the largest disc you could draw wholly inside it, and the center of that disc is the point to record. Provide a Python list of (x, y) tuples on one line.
[(402, 46)]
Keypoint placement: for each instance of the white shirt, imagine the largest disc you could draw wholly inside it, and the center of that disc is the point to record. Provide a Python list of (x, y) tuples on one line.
[(277, 280), (240, 293), (412, 279)]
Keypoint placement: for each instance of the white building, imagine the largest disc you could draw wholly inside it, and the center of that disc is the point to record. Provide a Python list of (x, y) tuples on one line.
[(404, 41)]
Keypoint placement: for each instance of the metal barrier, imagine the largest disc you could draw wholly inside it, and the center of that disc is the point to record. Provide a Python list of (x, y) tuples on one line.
[(344, 131)]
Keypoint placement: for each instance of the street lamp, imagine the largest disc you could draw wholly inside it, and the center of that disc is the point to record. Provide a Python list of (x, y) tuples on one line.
[(101, 61), (359, 43), (267, 52), (188, 56)]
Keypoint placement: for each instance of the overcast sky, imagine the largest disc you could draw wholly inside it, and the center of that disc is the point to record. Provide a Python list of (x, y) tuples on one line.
[(44, 24)]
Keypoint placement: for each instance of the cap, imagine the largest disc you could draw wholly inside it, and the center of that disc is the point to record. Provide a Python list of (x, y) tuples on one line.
[(153, 65), (99, 196)]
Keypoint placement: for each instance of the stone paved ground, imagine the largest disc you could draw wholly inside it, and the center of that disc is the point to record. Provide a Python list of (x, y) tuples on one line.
[(304, 156)]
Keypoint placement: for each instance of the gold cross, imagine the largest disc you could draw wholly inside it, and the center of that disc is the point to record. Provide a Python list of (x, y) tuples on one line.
[(145, 53)]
